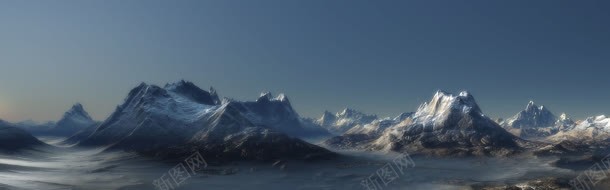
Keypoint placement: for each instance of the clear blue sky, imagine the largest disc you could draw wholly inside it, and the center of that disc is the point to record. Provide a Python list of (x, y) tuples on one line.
[(379, 57)]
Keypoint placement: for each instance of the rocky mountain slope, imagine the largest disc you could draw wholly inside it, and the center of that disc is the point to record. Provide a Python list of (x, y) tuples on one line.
[(446, 125), (180, 118)]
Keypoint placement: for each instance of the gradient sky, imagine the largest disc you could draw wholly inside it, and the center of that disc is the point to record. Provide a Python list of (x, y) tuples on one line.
[(379, 57)]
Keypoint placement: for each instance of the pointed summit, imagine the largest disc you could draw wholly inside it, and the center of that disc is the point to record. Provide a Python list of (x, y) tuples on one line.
[(564, 121), (281, 97), (346, 112), (349, 112), (533, 116), (327, 119), (77, 112), (444, 104), (73, 121), (264, 97), (535, 121), (530, 105)]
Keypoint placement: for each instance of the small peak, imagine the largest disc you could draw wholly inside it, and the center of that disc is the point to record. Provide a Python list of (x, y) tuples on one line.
[(77, 106), (77, 110), (347, 111), (265, 97), (281, 97), (530, 104), (441, 93), (564, 116), (465, 93)]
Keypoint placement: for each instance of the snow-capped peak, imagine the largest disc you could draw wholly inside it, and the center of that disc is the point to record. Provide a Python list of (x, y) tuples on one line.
[(532, 107), (281, 97), (342, 121), (444, 102), (265, 96), (533, 116), (348, 112), (564, 122), (443, 105)]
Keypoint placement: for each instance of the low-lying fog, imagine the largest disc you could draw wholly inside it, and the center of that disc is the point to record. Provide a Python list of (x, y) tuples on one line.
[(69, 168)]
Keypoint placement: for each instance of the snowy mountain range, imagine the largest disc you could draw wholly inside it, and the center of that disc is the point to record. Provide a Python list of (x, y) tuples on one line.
[(536, 121), (591, 129), (376, 127), (180, 117), (345, 120), (446, 125)]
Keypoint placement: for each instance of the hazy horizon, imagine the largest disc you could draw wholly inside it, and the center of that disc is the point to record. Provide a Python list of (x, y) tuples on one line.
[(380, 58)]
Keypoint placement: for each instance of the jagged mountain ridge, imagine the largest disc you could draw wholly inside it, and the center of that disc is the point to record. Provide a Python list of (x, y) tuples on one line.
[(536, 121), (376, 127), (446, 125), (592, 129), (345, 120), (168, 120)]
